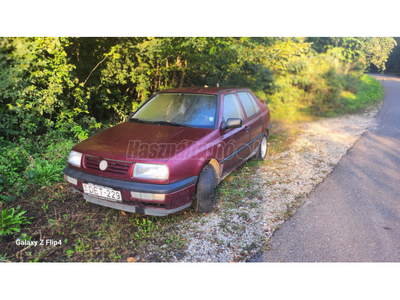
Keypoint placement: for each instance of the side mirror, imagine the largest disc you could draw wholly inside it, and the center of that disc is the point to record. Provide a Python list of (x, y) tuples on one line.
[(232, 123)]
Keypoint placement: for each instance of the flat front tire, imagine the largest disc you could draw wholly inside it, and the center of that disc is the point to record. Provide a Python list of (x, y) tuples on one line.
[(205, 199)]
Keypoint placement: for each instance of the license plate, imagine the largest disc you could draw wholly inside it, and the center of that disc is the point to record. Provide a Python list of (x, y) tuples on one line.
[(102, 191)]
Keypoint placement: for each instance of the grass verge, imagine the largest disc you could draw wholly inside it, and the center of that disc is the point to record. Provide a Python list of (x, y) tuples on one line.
[(368, 92)]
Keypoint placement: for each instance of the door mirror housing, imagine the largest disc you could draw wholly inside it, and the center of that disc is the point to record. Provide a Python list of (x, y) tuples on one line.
[(232, 123)]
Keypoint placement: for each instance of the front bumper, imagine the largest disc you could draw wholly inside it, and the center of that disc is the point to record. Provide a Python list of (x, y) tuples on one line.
[(178, 195), (132, 208)]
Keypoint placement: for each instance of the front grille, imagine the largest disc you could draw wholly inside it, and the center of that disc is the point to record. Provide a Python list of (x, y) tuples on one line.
[(114, 166)]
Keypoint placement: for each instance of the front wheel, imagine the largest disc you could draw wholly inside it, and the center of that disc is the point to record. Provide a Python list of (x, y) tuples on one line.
[(262, 149), (205, 199)]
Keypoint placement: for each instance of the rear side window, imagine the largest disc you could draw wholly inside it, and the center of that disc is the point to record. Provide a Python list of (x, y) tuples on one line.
[(231, 108), (249, 104)]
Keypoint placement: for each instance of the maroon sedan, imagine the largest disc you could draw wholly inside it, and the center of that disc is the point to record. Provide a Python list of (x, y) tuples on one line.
[(172, 152)]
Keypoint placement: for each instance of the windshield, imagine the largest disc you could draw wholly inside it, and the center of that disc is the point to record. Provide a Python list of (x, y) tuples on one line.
[(196, 110)]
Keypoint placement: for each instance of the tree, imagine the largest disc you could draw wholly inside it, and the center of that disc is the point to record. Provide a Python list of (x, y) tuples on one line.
[(361, 51), (393, 63), (36, 86)]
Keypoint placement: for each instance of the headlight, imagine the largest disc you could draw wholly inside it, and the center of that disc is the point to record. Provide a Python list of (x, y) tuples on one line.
[(75, 158), (150, 171)]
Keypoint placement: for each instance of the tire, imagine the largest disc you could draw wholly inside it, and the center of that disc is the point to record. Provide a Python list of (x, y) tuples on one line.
[(205, 199), (262, 149)]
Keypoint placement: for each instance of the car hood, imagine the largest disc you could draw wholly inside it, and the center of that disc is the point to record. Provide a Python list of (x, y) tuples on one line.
[(130, 141)]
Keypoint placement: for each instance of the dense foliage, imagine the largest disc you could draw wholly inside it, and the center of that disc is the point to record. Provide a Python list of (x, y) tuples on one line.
[(362, 52), (393, 63), (57, 91), (75, 84)]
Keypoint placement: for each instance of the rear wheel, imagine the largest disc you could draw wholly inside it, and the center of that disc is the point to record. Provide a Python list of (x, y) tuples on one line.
[(205, 200), (262, 149)]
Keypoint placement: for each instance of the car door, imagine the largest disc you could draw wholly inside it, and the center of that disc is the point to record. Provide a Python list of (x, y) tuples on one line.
[(254, 118), (234, 140)]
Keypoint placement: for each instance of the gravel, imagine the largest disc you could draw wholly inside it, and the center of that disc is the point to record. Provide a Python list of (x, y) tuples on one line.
[(237, 234)]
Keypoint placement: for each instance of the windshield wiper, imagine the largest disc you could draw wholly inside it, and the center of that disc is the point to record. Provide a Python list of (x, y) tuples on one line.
[(171, 123), (140, 121), (159, 122)]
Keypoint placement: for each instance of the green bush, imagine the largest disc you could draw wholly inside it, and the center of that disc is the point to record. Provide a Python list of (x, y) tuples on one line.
[(44, 173), (321, 84), (29, 162), (37, 86), (14, 160), (11, 220), (309, 85)]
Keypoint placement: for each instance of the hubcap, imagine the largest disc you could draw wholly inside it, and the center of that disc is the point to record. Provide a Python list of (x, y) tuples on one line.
[(263, 147)]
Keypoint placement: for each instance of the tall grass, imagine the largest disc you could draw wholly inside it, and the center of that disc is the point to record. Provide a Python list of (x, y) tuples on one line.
[(368, 91)]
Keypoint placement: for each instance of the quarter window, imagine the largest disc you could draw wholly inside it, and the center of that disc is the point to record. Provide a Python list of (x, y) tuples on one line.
[(249, 104)]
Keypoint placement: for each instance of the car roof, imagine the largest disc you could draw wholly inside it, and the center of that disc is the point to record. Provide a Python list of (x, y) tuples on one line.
[(202, 90)]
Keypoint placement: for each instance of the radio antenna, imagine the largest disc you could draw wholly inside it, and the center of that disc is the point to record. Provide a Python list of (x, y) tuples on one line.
[(219, 79)]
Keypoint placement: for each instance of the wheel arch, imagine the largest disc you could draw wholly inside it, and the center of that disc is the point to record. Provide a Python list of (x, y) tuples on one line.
[(216, 169)]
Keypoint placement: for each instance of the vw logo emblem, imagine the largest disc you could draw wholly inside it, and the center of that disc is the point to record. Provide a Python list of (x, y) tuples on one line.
[(103, 165)]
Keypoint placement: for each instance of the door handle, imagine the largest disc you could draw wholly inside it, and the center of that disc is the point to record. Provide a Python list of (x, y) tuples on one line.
[(262, 119), (246, 128)]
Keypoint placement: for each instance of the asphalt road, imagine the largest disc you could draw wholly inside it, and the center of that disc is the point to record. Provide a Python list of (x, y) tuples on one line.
[(354, 214)]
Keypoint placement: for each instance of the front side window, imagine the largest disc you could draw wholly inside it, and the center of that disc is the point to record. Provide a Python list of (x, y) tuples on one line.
[(195, 110), (231, 108), (249, 104)]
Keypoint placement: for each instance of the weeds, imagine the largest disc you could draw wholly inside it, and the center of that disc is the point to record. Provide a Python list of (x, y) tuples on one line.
[(3, 258), (45, 173), (11, 220)]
